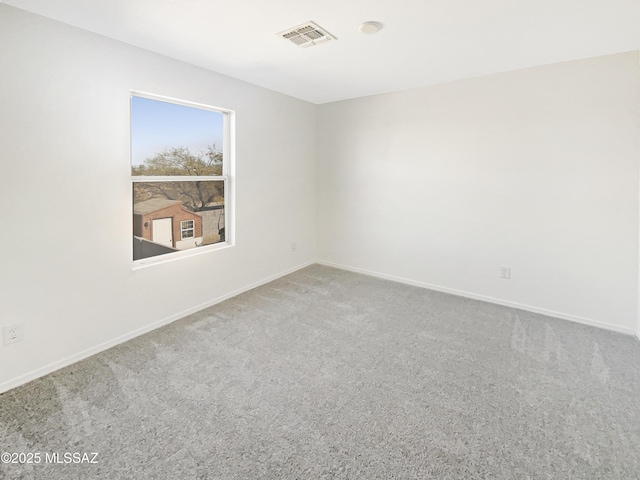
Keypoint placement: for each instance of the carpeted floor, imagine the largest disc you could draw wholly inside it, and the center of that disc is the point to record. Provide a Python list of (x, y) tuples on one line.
[(328, 374)]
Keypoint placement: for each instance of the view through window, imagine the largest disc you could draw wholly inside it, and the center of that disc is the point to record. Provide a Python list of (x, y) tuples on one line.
[(179, 176)]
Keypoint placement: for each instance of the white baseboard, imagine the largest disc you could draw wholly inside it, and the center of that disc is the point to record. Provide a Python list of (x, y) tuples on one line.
[(52, 367), (484, 298)]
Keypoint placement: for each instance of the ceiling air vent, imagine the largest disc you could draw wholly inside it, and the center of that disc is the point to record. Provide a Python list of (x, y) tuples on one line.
[(307, 35)]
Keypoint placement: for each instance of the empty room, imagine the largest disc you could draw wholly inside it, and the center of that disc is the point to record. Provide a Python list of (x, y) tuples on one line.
[(344, 240)]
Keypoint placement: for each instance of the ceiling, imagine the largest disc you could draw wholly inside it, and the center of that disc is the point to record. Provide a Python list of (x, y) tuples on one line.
[(423, 42)]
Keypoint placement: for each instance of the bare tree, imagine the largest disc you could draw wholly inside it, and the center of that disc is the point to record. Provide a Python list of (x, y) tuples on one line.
[(179, 161)]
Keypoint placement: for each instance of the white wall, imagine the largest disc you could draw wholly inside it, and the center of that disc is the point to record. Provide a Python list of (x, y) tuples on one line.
[(535, 169), (65, 243)]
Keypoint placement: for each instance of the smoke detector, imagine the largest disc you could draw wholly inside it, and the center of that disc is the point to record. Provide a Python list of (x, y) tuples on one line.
[(307, 35), (370, 27)]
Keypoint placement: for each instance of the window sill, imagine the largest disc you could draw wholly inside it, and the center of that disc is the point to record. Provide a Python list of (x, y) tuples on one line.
[(171, 257)]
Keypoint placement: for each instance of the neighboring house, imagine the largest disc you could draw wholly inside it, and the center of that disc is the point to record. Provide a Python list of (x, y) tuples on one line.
[(213, 223), (168, 223)]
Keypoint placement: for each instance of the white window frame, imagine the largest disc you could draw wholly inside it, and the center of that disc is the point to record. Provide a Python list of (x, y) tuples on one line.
[(191, 229), (228, 177)]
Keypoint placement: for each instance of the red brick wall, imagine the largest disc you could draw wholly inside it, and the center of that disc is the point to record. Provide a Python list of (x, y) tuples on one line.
[(178, 214)]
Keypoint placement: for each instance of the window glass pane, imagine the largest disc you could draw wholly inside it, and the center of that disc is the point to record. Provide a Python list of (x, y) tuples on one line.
[(173, 216), (171, 139), (187, 227)]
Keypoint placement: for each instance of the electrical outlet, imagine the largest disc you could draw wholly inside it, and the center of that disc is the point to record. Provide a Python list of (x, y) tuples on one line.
[(505, 272), (294, 247), (12, 334)]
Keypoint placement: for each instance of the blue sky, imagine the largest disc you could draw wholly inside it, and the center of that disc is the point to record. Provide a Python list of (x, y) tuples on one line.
[(157, 125)]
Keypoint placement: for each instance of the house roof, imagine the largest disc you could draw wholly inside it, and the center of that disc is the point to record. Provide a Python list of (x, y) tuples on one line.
[(153, 205)]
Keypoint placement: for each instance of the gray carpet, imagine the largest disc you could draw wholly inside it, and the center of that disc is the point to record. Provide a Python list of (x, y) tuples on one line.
[(328, 374)]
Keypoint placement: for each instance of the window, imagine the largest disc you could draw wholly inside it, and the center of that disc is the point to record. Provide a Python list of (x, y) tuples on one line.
[(186, 229), (180, 168)]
